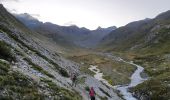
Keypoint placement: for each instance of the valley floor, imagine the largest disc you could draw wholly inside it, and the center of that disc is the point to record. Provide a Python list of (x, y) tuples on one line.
[(110, 70)]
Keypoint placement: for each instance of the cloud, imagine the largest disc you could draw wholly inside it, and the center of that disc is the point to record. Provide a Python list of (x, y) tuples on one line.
[(9, 0), (69, 23), (35, 15), (12, 10)]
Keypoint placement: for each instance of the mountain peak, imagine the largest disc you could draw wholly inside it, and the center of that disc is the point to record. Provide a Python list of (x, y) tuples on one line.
[(99, 28), (1, 5), (2, 8), (25, 15), (108, 28)]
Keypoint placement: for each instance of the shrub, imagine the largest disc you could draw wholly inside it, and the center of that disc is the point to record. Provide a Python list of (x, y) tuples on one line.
[(87, 88), (63, 72), (3, 68), (62, 93), (5, 52)]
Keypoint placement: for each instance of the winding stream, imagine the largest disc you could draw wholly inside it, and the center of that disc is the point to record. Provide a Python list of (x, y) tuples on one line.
[(135, 78), (99, 75)]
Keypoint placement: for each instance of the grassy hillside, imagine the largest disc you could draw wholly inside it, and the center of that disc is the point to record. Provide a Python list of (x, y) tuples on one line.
[(115, 72), (144, 34), (148, 44)]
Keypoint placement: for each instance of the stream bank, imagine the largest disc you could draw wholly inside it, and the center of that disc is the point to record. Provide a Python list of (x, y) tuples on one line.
[(135, 78)]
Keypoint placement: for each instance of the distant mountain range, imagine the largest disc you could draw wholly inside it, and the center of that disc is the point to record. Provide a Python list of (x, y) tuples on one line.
[(72, 35), (138, 35)]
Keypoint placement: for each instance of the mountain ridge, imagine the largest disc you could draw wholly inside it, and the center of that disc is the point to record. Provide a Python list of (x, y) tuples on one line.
[(70, 34), (140, 30)]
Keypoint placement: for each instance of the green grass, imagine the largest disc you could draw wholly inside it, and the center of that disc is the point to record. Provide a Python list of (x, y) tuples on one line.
[(13, 36), (5, 52), (62, 93), (16, 85), (115, 72), (103, 98), (85, 70), (154, 65), (81, 80), (38, 68), (158, 68), (4, 68), (156, 89), (62, 71)]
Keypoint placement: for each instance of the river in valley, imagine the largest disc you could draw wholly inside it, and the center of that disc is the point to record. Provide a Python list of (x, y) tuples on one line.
[(135, 78)]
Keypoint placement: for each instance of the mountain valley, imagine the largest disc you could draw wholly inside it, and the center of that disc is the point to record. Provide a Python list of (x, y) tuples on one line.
[(37, 59)]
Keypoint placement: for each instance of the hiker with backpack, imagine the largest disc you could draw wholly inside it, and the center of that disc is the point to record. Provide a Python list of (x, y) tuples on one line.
[(74, 79), (92, 93)]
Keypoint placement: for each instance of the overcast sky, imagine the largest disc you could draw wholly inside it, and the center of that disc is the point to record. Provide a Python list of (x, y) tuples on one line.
[(89, 13)]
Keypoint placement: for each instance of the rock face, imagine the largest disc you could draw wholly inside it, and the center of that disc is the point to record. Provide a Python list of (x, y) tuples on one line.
[(47, 72)]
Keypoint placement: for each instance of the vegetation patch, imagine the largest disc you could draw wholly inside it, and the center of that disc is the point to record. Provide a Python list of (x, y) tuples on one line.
[(14, 85), (104, 92), (90, 59), (38, 68), (63, 72), (86, 70), (5, 52), (87, 88), (61, 93), (103, 98), (158, 68), (115, 72), (4, 68), (81, 80), (153, 90)]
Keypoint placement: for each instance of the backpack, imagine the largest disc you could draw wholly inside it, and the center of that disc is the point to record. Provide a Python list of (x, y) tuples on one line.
[(74, 77), (92, 93)]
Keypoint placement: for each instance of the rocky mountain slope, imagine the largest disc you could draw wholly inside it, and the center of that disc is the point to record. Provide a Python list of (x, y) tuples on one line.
[(31, 69)]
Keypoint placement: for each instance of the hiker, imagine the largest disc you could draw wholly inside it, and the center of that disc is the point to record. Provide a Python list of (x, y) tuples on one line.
[(74, 79), (92, 93)]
